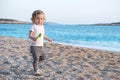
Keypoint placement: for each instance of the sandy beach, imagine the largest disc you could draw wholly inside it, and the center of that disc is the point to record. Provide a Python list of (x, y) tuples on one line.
[(62, 62)]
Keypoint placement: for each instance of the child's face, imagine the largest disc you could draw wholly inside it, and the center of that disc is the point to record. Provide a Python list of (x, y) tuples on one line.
[(39, 19)]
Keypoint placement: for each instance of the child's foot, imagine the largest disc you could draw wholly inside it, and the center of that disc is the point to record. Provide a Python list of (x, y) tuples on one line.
[(37, 73)]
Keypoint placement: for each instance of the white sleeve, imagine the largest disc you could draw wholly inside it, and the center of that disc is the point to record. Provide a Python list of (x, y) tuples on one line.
[(32, 28)]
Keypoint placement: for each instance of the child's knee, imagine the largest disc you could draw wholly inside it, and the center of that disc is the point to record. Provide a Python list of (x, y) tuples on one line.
[(42, 57)]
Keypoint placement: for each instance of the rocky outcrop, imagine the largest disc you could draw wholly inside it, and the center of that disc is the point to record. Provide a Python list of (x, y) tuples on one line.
[(108, 24), (12, 21)]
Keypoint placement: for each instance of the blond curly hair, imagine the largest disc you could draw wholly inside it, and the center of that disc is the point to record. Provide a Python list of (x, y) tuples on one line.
[(35, 13)]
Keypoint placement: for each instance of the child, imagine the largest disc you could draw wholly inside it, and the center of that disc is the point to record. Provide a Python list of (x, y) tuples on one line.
[(36, 34)]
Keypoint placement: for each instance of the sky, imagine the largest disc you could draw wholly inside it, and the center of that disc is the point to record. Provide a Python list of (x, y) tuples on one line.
[(63, 11)]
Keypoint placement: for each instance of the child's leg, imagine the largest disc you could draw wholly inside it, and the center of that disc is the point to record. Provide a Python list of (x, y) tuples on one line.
[(35, 53), (42, 56)]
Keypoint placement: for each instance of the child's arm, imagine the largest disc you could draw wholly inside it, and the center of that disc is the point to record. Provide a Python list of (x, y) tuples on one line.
[(45, 37), (31, 36)]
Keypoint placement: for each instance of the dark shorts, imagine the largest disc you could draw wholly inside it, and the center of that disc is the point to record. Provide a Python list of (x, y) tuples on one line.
[(38, 53)]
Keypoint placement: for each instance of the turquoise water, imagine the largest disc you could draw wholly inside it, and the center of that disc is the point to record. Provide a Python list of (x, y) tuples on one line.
[(99, 37)]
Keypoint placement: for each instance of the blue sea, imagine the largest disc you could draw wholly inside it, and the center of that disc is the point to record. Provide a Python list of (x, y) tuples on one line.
[(98, 37)]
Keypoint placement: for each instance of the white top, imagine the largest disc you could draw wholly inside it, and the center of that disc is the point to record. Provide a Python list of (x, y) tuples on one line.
[(37, 30)]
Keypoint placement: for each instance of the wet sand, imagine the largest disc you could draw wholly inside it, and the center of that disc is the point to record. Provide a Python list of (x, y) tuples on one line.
[(62, 62)]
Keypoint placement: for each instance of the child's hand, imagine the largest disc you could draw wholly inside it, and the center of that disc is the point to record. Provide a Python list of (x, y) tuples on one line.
[(50, 40), (34, 39)]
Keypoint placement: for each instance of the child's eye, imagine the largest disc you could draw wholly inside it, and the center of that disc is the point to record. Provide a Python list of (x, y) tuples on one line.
[(38, 18), (41, 18)]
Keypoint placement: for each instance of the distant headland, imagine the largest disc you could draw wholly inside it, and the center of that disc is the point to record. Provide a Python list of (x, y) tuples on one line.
[(108, 24), (12, 21)]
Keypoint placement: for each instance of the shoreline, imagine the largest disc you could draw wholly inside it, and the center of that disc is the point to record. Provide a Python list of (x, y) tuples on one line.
[(89, 47), (70, 44), (62, 62)]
